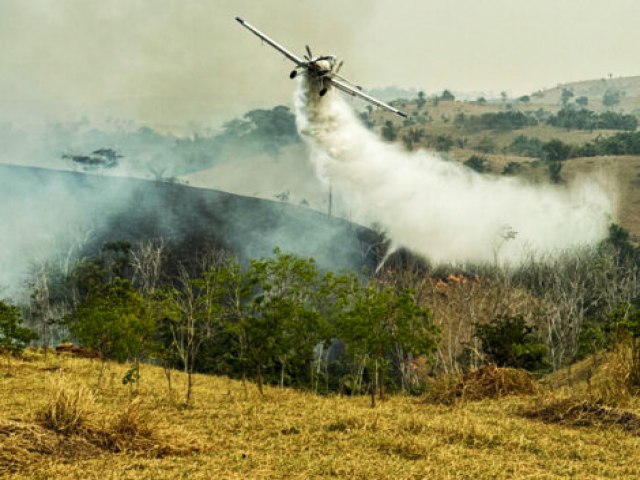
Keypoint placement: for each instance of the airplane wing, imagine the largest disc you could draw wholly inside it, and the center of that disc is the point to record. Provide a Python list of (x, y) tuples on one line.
[(355, 92), (298, 61)]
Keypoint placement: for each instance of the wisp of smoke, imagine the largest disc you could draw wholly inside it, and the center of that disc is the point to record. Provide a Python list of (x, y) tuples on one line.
[(442, 209)]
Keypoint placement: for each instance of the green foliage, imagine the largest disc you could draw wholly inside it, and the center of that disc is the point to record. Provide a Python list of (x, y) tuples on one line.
[(478, 163), (612, 97), (555, 171), (413, 136), (13, 337), (442, 143), (512, 168), (556, 151), (527, 147), (262, 130), (499, 121), (284, 324), (486, 145), (583, 101), (619, 240), (584, 119), (447, 96), (374, 319), (421, 101), (113, 322), (510, 342), (389, 132), (565, 96)]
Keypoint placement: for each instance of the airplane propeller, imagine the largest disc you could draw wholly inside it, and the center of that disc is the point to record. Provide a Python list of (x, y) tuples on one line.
[(309, 55)]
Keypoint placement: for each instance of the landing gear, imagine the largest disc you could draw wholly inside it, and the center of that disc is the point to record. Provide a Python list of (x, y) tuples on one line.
[(323, 92), (293, 74)]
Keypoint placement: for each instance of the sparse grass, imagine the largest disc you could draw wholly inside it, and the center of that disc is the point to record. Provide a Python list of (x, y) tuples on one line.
[(290, 434)]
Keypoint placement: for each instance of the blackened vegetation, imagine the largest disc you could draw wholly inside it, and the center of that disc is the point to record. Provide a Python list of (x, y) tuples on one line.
[(98, 159), (188, 219)]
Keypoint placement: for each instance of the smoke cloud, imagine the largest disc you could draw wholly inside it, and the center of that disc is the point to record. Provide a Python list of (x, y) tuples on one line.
[(441, 209)]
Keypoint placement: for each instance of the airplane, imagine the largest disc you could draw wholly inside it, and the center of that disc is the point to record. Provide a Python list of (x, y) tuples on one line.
[(324, 68)]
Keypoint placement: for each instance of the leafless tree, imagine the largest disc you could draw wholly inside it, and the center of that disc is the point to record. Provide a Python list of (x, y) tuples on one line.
[(197, 302)]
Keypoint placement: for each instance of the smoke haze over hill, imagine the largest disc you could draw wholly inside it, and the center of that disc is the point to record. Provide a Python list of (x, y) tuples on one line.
[(441, 209)]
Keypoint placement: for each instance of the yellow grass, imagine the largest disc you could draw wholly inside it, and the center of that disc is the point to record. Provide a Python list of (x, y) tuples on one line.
[(290, 434)]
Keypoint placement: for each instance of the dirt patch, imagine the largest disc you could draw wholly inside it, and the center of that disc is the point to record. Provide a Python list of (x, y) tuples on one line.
[(486, 382), (583, 413)]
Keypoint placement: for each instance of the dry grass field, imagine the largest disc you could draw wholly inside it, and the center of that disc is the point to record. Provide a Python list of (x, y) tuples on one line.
[(231, 432)]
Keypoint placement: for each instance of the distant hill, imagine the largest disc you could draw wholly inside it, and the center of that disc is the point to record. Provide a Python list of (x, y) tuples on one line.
[(46, 212), (445, 127), (594, 90)]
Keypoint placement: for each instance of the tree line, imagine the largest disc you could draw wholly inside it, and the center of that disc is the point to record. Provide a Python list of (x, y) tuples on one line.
[(281, 321)]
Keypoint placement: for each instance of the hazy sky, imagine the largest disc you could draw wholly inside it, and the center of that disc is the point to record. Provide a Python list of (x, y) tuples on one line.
[(167, 63)]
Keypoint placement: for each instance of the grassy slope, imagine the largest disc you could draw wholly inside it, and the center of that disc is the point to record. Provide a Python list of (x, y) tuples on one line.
[(291, 434)]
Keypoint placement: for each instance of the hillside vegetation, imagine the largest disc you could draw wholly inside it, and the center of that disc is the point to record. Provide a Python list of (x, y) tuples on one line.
[(549, 136)]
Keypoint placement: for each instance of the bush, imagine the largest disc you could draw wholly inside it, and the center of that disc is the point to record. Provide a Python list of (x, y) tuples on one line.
[(478, 163), (501, 121), (526, 147), (13, 337), (510, 342), (486, 145), (556, 150), (512, 168), (584, 119)]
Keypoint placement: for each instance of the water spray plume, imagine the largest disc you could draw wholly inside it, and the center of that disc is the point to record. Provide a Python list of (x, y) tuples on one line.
[(442, 209)]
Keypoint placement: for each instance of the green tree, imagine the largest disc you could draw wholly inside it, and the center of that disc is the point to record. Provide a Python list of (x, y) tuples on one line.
[(510, 342), (284, 323), (612, 97), (421, 101), (556, 150), (374, 319), (555, 169), (583, 101), (447, 96), (389, 132), (112, 321), (13, 336), (565, 96)]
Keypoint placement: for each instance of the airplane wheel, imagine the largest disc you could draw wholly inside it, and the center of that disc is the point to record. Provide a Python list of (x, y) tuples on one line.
[(293, 74), (323, 92)]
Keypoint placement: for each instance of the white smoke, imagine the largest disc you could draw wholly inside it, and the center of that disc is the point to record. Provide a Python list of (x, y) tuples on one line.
[(441, 209)]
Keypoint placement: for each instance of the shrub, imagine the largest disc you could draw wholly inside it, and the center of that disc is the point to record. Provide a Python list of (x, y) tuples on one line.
[(512, 168), (510, 342), (526, 147), (478, 163), (13, 337)]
